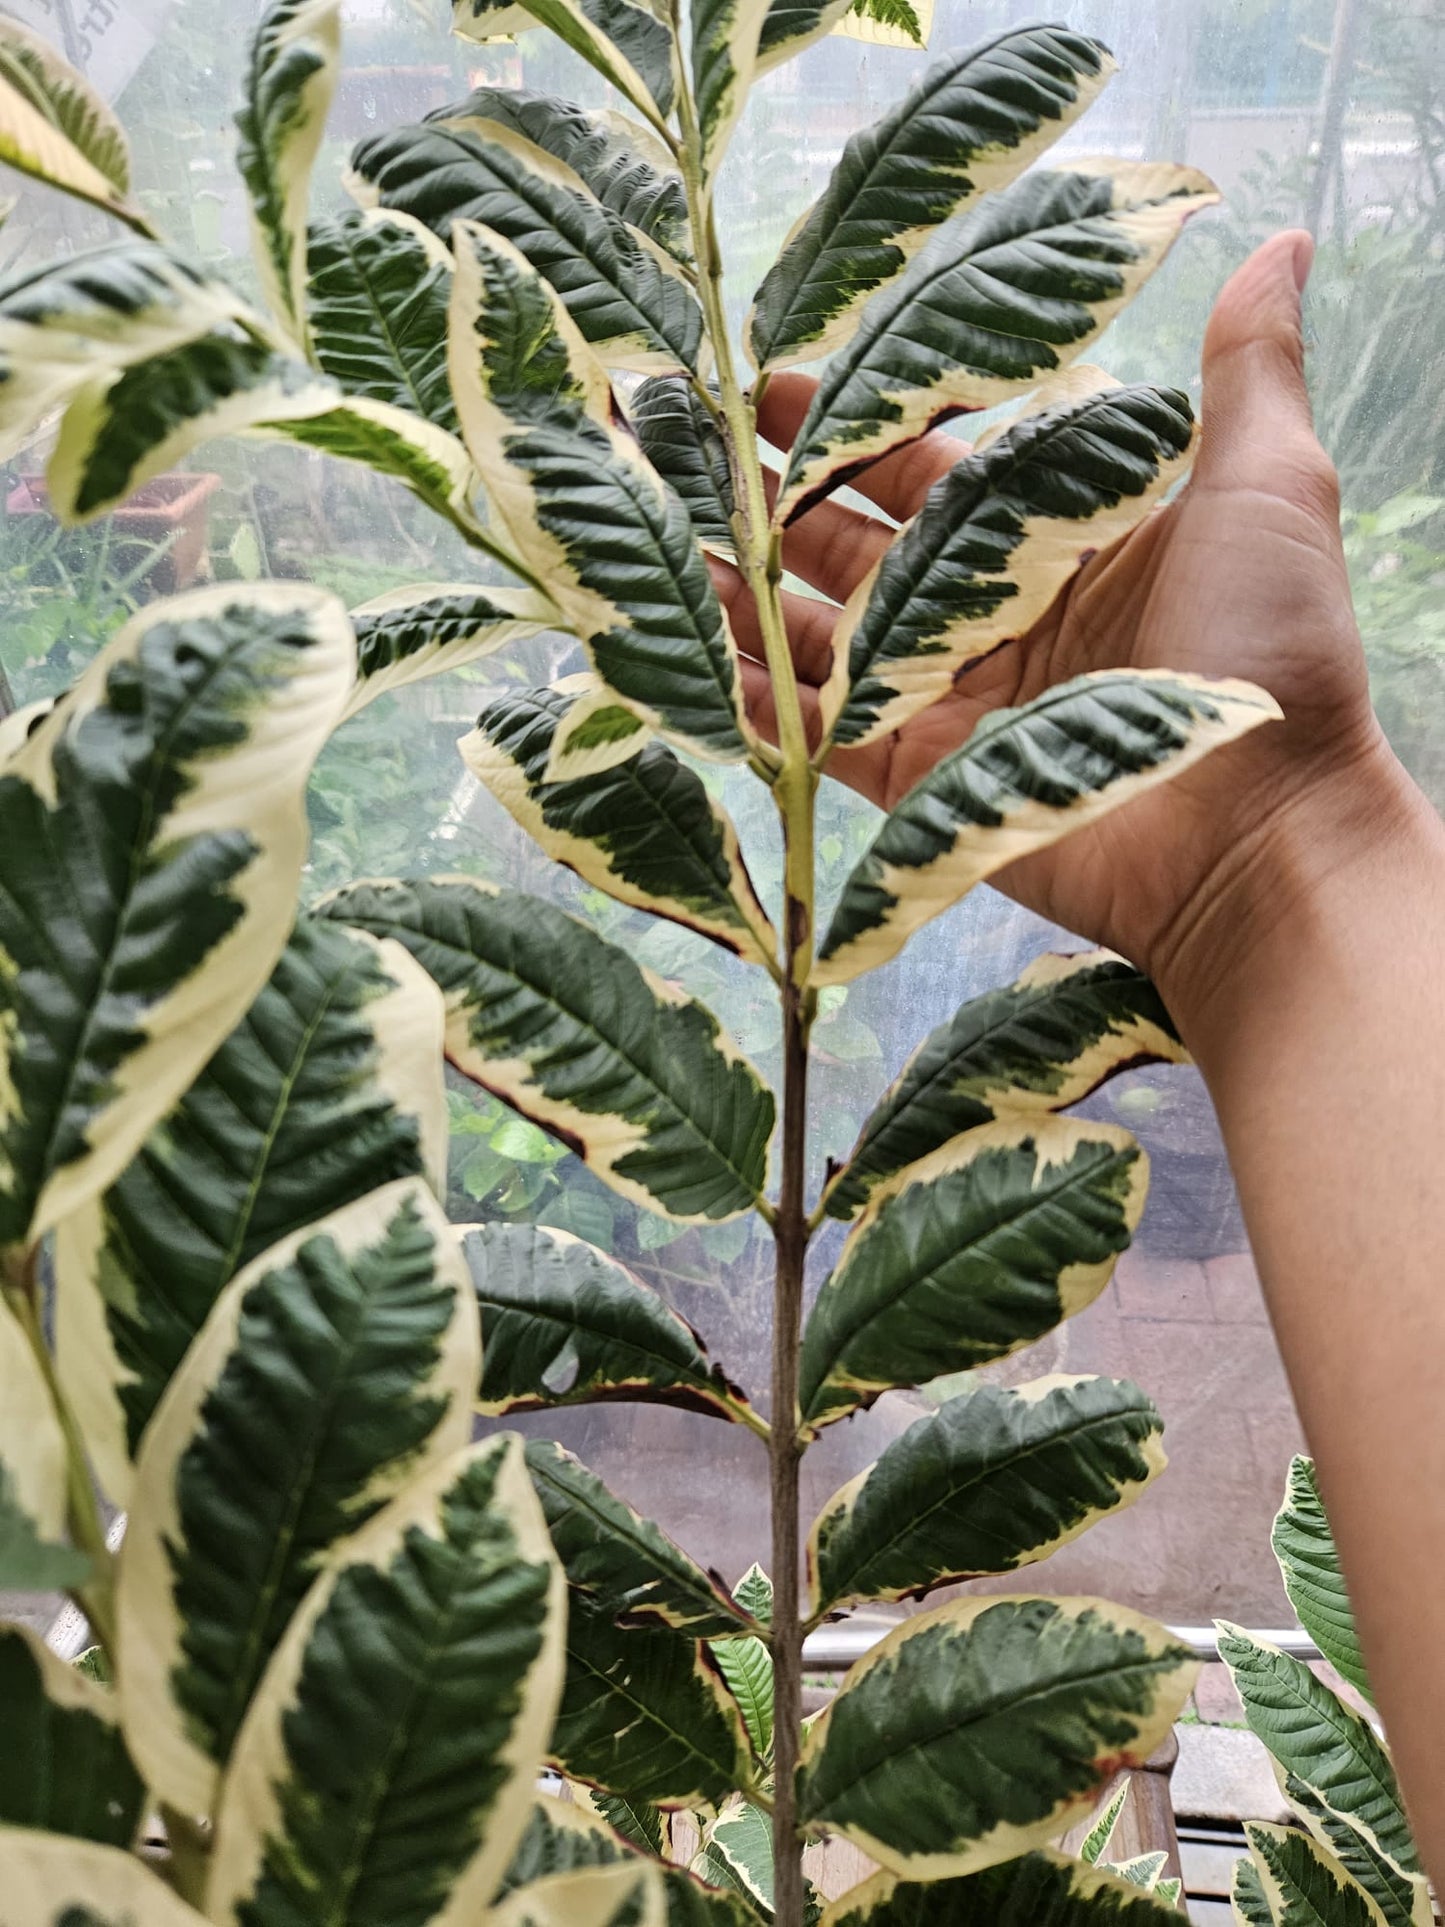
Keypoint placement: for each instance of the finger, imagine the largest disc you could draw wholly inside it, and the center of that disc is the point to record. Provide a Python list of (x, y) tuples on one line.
[(785, 402), (898, 483), (809, 623), (833, 547)]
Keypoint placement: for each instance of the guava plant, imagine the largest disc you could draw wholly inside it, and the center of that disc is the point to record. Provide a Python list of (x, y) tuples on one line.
[(334, 1633)]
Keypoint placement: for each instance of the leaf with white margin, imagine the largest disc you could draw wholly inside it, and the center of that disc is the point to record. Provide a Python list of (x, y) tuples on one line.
[(1310, 1567), (291, 76), (489, 20), (588, 513), (597, 732), (1142, 1871), (1044, 1889), (377, 290), (20, 723), (1302, 1883), (64, 1764), (789, 26), (32, 1468), (966, 1256), (166, 798), (409, 1701), (964, 129), (1403, 1898), (996, 1479), (430, 628), (723, 55), (54, 1881), (330, 1086), (629, 1894), (1024, 779), (630, 45), (565, 1836), (336, 1367), (568, 1325), (996, 541), (645, 830), (1247, 1902), (980, 1729), (888, 23), (636, 1078), (1028, 280), (56, 128), (1042, 1043), (630, 300), (1095, 1843), (684, 444), (741, 1840), (29, 1562)]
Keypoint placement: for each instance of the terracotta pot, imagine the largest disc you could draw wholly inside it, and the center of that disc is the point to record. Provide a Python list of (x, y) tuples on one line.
[(171, 505)]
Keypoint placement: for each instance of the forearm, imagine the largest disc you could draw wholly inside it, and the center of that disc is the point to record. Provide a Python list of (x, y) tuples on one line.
[(1313, 996)]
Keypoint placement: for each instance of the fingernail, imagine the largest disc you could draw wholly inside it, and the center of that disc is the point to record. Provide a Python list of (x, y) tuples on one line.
[(1302, 260)]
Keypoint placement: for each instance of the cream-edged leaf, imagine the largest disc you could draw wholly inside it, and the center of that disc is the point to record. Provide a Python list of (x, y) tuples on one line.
[(1248, 1903), (1402, 1898), (629, 1894), (790, 26), (1310, 1566), (629, 44), (377, 289), (1095, 1843), (489, 20), (888, 23), (64, 1765), (596, 733), (1303, 1884), (53, 1881), (1042, 1889), (56, 128), (723, 53), (431, 628)]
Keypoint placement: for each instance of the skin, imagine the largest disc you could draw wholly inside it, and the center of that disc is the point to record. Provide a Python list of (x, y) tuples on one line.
[(1287, 895)]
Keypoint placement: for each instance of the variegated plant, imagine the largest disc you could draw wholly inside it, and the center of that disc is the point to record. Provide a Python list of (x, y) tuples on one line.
[(335, 1631)]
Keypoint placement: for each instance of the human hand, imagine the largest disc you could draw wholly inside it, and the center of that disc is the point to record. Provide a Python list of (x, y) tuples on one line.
[(1241, 575)]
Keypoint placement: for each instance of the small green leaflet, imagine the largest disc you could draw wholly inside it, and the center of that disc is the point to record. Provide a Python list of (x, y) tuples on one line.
[(407, 634), (423, 1666), (1041, 1043), (378, 284), (567, 1325), (626, 1565), (995, 542), (168, 789), (64, 1765), (996, 1479), (1302, 1883), (682, 441), (747, 1665), (972, 122), (292, 74), (1037, 1890), (968, 1255), (565, 1027), (332, 1370), (978, 1730), (723, 54), (56, 128), (1031, 276), (644, 830), (54, 1881), (1024, 779), (1310, 1567), (1142, 1871)]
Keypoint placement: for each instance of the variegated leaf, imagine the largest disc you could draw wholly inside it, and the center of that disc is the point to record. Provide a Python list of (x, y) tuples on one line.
[(1402, 1898), (682, 441), (972, 122), (1302, 1883), (55, 127), (64, 1765), (424, 1666), (32, 1468), (329, 1087), (21, 723), (747, 1665), (723, 55), (1037, 1890), (167, 792), (1142, 1871), (407, 634), (790, 26), (645, 830), (566, 1836), (1095, 1843), (377, 289), (971, 1253), (646, 1828), (294, 65), (996, 1479), (336, 1367), (1310, 1567), (590, 516), (1247, 1901), (488, 20), (629, 44), (629, 1894), (888, 23), (567, 1325), (628, 297), (627, 1566), (564, 1026), (978, 1730), (596, 733), (1042, 1043), (392, 441), (1024, 779), (994, 544), (740, 1846), (53, 1881), (1030, 278)]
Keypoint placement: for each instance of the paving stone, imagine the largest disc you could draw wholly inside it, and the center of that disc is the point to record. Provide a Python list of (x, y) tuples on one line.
[(1225, 1774)]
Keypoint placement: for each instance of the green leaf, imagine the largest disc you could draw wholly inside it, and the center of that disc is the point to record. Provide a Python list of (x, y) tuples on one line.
[(1310, 1567), (645, 830), (968, 1255), (646, 1714), (388, 1762), (562, 1837), (742, 1839), (1248, 1902), (330, 1086), (291, 76), (1042, 1043), (430, 628), (596, 733), (626, 1565), (1095, 1843), (64, 1765), (723, 54), (1312, 1734), (754, 1593), (996, 541), (56, 128), (1037, 1890), (1030, 277), (581, 504), (164, 799), (627, 297), (747, 1668), (1303, 1884), (684, 444), (972, 122), (629, 1894), (1024, 779), (53, 1881), (378, 284), (30, 1562), (641, 1827), (1402, 1898), (567, 1325), (790, 26), (996, 1479), (334, 1369), (566, 1028), (978, 1730)]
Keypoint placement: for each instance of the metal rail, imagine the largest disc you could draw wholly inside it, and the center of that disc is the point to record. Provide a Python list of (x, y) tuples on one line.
[(833, 1649)]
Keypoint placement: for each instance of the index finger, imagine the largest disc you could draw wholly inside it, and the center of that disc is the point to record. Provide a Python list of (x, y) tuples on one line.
[(897, 483)]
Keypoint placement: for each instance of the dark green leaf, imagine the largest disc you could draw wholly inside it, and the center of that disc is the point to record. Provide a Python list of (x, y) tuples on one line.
[(378, 288), (1310, 1565), (29, 1562), (1247, 1895), (723, 53), (682, 441), (791, 25), (1403, 1898), (1303, 1884), (1037, 1890), (407, 634), (63, 1764)]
